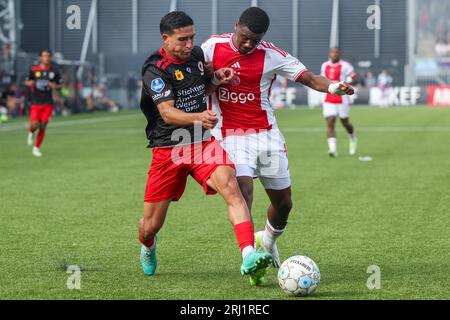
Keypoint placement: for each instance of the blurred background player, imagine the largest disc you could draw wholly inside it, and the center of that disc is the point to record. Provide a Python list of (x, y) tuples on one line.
[(252, 137), (336, 69), (174, 101), (42, 79)]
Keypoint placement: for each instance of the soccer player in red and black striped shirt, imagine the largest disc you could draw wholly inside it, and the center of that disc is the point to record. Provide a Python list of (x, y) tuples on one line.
[(175, 84), (42, 79)]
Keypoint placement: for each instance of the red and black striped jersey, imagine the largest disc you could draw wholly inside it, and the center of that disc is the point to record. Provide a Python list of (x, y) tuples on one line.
[(41, 93), (166, 79)]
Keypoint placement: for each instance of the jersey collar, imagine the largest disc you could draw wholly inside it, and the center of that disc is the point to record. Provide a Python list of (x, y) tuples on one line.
[(171, 60), (334, 64), (41, 67)]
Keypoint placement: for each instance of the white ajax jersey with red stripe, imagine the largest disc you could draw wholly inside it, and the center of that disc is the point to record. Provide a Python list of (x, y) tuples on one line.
[(243, 106), (336, 72)]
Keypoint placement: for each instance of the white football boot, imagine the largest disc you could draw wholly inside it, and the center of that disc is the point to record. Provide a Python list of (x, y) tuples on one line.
[(260, 245), (36, 152), (30, 139)]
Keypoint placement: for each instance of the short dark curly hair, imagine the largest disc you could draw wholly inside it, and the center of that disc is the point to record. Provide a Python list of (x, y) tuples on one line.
[(174, 20), (255, 19), (45, 50)]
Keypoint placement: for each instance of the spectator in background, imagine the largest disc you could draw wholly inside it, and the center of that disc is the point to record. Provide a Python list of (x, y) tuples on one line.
[(442, 47), (424, 19), (384, 80), (132, 90), (101, 101), (59, 98), (96, 98), (14, 100), (3, 113), (70, 101), (370, 80), (6, 59), (384, 83), (6, 79)]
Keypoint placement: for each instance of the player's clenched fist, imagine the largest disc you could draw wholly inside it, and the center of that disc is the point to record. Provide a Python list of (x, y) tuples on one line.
[(208, 119), (341, 88), (223, 76)]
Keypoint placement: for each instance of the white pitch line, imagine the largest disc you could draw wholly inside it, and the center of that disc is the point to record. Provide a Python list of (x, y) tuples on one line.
[(284, 130), (373, 129), (25, 125), (57, 124)]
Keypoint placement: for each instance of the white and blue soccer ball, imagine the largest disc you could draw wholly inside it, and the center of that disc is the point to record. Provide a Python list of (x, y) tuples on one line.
[(299, 276)]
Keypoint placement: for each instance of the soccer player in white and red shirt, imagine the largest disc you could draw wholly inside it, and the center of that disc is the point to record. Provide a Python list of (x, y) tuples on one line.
[(337, 69), (247, 126)]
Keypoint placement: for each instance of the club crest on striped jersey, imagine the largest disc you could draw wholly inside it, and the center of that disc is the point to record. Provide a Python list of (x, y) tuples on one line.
[(179, 75)]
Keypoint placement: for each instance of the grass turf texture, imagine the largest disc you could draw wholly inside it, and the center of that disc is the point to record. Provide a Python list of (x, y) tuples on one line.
[(80, 205)]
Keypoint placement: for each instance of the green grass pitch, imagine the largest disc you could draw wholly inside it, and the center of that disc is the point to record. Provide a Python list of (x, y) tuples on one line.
[(80, 205)]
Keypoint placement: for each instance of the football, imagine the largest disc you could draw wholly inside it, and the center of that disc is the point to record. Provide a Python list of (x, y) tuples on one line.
[(299, 276)]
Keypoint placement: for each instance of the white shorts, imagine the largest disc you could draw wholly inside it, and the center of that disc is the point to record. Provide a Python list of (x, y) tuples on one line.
[(335, 109), (261, 155)]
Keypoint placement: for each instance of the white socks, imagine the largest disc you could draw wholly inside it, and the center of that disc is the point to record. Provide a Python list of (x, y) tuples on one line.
[(332, 144), (247, 250), (271, 235)]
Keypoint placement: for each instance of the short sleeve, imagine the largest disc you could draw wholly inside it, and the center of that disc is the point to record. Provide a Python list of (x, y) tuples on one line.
[(57, 77), (349, 70), (288, 66), (158, 85), (208, 49), (322, 70)]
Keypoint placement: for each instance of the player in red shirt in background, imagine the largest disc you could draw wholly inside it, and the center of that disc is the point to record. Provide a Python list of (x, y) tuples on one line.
[(247, 126), (42, 79), (337, 69)]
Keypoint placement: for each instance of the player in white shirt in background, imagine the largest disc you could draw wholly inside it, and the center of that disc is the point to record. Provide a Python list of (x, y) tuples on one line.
[(336, 69), (247, 127)]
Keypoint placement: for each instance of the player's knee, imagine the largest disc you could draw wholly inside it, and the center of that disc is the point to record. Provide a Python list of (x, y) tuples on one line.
[(230, 187)]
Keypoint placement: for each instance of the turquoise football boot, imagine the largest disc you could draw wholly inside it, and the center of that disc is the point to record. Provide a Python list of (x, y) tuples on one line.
[(255, 264), (148, 259)]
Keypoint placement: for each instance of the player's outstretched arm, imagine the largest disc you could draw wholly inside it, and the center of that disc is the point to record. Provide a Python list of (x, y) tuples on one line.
[(322, 84), (176, 117)]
